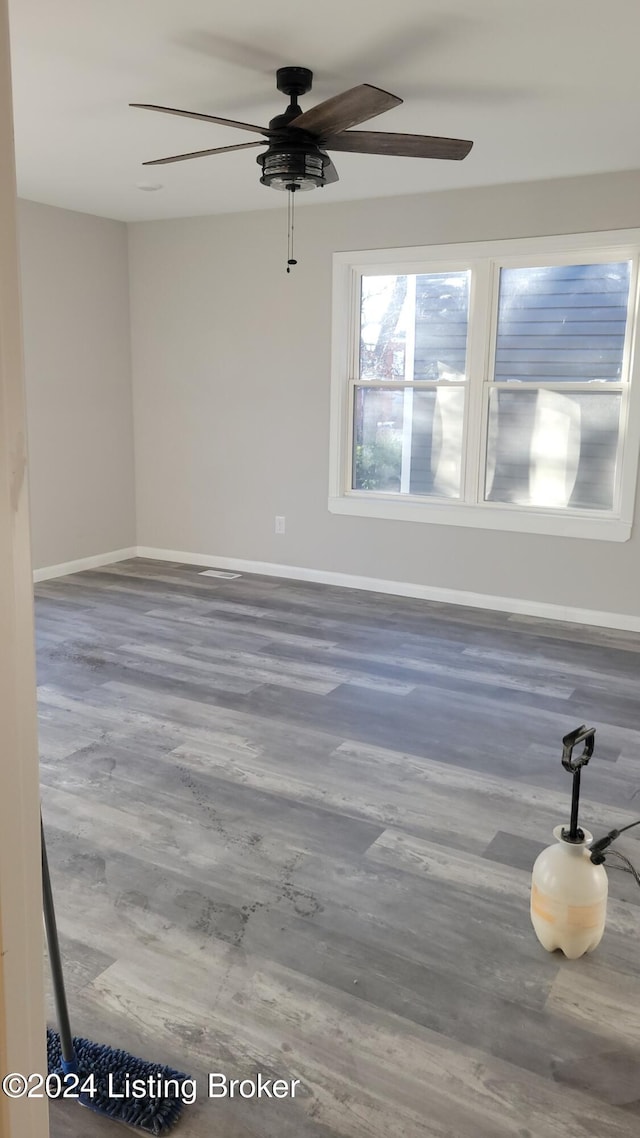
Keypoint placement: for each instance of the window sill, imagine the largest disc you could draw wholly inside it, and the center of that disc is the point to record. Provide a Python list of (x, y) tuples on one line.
[(489, 516)]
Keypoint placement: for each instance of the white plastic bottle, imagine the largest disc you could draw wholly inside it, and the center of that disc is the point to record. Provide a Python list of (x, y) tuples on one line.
[(568, 897)]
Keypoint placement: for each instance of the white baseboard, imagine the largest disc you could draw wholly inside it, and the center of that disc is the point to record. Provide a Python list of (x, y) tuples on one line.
[(515, 605), (50, 571), (541, 609)]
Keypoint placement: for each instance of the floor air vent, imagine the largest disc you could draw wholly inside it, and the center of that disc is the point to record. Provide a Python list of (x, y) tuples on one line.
[(224, 573)]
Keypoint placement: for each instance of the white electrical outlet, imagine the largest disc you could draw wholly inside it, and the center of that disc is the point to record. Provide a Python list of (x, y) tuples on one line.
[(279, 524)]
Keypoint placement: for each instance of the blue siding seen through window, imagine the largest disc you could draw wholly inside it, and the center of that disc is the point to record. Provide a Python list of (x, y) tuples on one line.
[(442, 305), (562, 323), (552, 449)]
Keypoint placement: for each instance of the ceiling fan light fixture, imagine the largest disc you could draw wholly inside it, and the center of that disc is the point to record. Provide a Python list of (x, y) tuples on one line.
[(284, 169)]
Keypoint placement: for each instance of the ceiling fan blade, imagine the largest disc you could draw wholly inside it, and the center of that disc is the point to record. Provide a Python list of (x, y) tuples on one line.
[(207, 118), (348, 109), (203, 153), (401, 145), (330, 172)]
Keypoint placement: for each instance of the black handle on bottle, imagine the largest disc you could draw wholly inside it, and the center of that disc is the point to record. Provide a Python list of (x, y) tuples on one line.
[(584, 735)]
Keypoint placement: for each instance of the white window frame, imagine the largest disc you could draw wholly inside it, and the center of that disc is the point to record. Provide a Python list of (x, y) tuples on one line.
[(485, 259)]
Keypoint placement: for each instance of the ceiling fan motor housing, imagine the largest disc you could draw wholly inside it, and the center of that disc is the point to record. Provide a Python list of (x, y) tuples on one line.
[(292, 162)]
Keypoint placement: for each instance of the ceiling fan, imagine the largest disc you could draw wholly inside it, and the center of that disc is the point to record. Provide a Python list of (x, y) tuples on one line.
[(297, 140)]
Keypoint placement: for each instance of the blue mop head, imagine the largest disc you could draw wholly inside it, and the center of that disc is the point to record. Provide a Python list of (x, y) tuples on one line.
[(114, 1072)]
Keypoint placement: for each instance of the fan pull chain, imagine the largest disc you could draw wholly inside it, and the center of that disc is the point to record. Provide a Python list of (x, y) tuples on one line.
[(291, 259)]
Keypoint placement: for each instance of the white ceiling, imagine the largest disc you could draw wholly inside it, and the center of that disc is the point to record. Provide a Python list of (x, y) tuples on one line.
[(545, 88)]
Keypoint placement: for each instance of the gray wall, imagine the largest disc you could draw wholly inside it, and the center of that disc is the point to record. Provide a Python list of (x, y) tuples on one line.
[(75, 298), (231, 392)]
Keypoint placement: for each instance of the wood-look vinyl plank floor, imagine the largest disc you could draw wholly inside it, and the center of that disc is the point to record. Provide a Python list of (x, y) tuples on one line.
[(291, 829)]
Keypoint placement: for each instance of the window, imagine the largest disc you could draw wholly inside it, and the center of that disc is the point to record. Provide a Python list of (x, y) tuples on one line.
[(489, 385)]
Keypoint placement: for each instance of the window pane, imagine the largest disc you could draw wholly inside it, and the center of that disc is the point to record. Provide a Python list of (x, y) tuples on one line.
[(547, 448), (408, 442), (383, 327), (414, 327), (563, 322), (442, 310)]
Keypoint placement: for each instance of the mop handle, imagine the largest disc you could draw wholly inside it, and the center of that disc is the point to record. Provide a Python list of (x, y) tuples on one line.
[(55, 962)]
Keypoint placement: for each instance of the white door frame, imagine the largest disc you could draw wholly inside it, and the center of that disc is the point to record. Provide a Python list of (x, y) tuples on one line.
[(22, 1016)]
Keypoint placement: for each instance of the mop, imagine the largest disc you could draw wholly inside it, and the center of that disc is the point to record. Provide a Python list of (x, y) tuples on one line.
[(105, 1080)]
